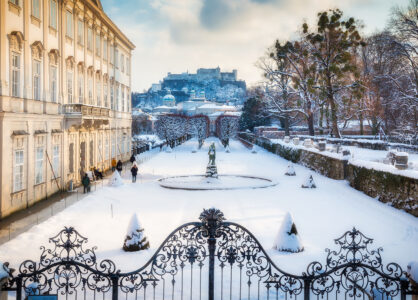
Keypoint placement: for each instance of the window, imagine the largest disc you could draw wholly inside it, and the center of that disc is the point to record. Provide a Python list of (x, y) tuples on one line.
[(90, 89), (123, 99), (98, 44), (16, 2), (53, 14), (123, 145), (53, 83), (116, 58), (113, 146), (80, 87), (89, 39), (128, 66), (80, 32), (91, 153), (105, 48), (18, 171), (105, 94), (39, 165), (36, 79), (122, 62), (106, 148), (112, 104), (69, 21), (15, 74), (111, 54), (36, 8), (56, 160), (71, 154), (117, 97), (70, 86), (98, 92)]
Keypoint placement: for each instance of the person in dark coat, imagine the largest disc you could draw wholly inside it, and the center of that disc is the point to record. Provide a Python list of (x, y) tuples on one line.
[(98, 174), (134, 171), (86, 183), (132, 159), (119, 166)]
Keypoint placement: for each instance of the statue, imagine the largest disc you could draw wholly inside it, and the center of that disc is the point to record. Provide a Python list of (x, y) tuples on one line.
[(211, 169), (212, 154)]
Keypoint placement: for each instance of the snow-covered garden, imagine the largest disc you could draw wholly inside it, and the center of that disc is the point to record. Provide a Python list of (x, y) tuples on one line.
[(320, 214)]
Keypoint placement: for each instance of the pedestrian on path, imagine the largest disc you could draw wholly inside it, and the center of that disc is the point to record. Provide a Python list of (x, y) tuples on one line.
[(134, 171), (86, 183), (113, 164), (119, 166), (132, 159)]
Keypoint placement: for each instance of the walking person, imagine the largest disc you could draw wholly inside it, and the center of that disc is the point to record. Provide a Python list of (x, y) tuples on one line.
[(86, 183), (113, 164), (132, 159), (119, 166), (134, 171)]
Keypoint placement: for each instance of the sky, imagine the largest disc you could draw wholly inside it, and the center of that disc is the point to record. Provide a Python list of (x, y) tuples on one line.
[(183, 35)]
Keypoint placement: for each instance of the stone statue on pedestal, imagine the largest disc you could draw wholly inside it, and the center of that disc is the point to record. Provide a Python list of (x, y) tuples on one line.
[(211, 169)]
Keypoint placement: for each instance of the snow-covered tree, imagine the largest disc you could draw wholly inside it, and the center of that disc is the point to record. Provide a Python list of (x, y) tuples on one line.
[(115, 180), (309, 183), (287, 238), (135, 239), (227, 128), (290, 171), (198, 126), (171, 127)]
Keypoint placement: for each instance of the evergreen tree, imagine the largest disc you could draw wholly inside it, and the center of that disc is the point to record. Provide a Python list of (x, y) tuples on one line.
[(253, 113), (135, 239)]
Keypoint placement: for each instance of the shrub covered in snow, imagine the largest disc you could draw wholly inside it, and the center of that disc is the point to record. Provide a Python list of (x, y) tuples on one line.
[(290, 170), (287, 238), (309, 183), (116, 180), (135, 239)]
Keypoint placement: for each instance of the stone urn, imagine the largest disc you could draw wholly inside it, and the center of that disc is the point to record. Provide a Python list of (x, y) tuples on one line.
[(401, 160), (287, 139), (307, 143), (322, 146), (295, 141)]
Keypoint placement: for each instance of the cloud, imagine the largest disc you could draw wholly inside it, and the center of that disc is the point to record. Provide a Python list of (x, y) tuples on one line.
[(181, 35)]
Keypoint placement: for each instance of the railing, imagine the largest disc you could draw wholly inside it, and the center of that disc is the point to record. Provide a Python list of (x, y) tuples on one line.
[(85, 110), (210, 259)]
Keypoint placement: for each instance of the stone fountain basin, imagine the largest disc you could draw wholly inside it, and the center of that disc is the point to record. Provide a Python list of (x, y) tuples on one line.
[(223, 182)]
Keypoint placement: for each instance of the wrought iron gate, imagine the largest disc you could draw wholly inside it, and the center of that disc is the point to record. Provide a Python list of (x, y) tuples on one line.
[(210, 259)]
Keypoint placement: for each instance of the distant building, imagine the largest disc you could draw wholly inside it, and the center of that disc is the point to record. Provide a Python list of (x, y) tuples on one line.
[(169, 100)]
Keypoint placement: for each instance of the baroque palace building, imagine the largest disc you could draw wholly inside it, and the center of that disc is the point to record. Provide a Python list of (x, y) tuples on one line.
[(65, 96)]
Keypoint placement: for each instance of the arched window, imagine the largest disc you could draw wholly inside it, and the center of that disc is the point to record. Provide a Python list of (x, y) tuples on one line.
[(15, 47), (80, 82), (37, 50), (53, 75), (70, 79), (98, 89)]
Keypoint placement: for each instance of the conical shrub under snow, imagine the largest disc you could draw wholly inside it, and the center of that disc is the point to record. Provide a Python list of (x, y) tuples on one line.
[(135, 239), (116, 180), (309, 183), (287, 238), (290, 170)]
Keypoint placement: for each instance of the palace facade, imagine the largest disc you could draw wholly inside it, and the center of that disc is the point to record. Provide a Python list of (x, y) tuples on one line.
[(65, 96)]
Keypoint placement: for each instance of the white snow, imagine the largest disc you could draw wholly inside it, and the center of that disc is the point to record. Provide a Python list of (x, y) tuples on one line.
[(322, 214), (286, 240), (115, 180), (134, 232), (290, 171), (309, 183)]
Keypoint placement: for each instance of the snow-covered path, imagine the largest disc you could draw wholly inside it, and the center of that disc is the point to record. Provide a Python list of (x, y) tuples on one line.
[(320, 214)]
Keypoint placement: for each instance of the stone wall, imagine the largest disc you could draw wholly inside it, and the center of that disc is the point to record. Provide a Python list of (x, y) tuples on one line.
[(399, 191)]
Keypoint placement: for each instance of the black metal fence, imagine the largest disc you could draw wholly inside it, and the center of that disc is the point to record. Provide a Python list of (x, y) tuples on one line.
[(210, 259)]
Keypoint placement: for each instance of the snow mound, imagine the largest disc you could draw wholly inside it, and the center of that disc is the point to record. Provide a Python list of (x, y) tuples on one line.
[(287, 238), (290, 170), (227, 149), (116, 180), (194, 149), (253, 150), (168, 150), (309, 183), (413, 271), (135, 239)]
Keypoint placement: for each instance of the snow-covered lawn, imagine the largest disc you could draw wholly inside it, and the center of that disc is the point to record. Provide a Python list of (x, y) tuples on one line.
[(320, 214)]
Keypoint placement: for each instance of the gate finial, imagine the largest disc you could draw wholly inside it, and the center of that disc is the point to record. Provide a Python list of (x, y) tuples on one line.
[(212, 216)]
